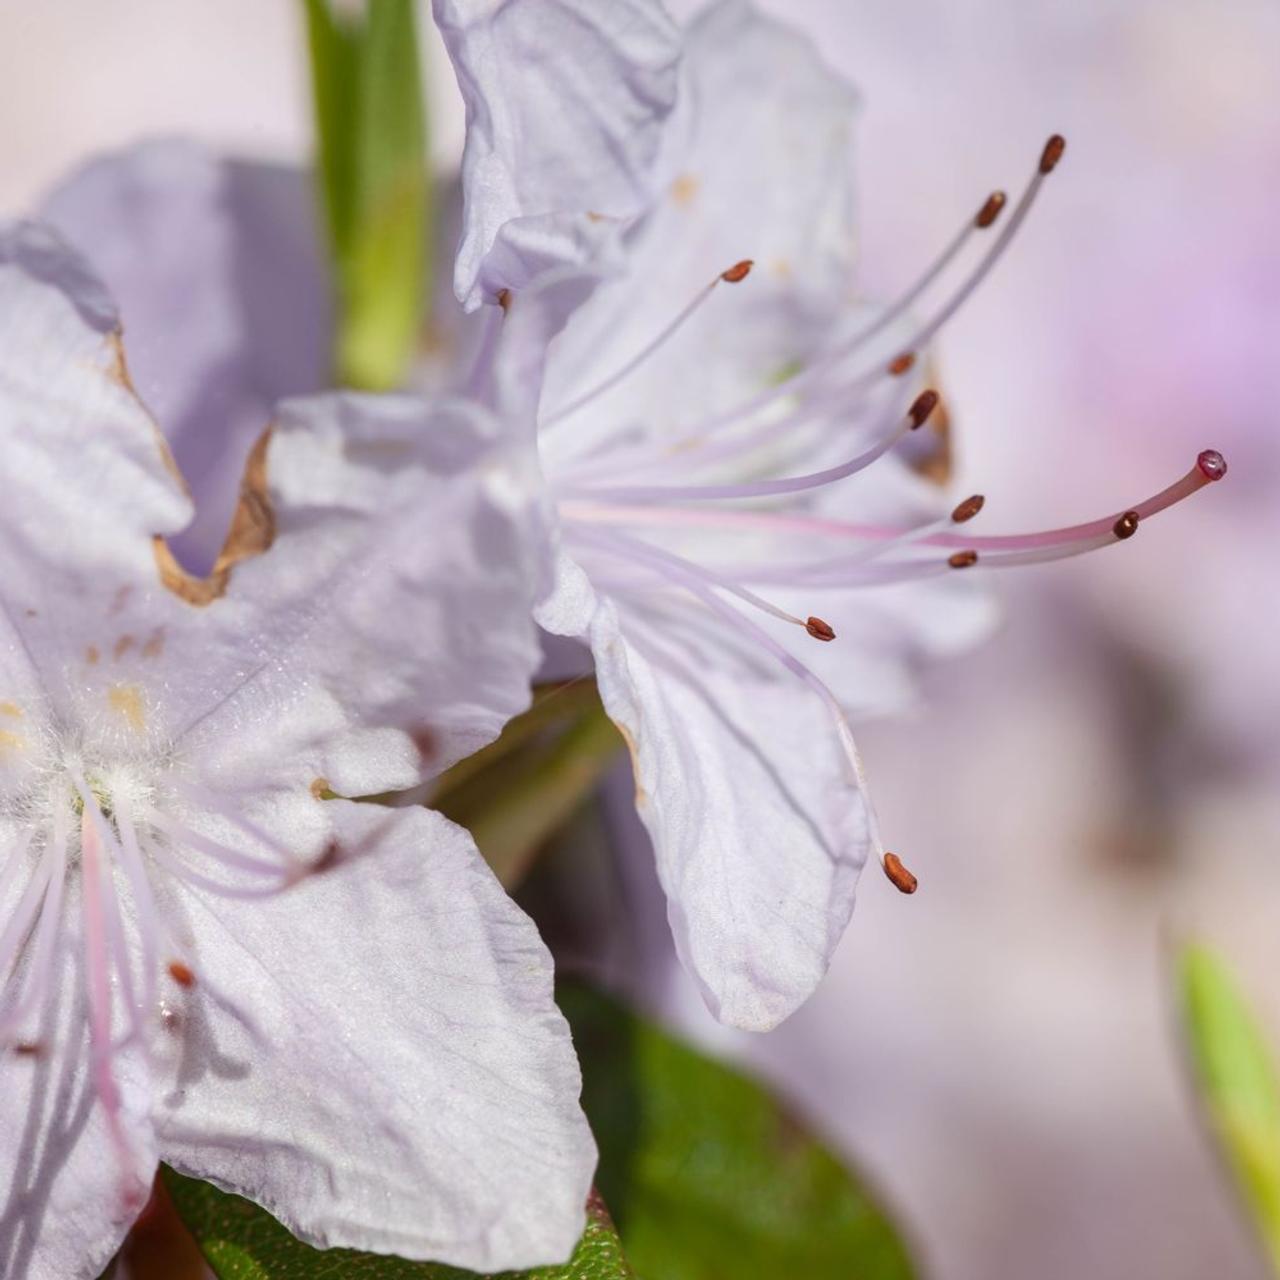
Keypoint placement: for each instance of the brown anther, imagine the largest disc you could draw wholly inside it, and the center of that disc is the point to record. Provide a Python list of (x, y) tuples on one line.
[(962, 559), (990, 211), (181, 974), (967, 509), (899, 876), (901, 364), (739, 271), (1052, 153), (1126, 526), (504, 299), (28, 1048), (819, 629), (923, 405)]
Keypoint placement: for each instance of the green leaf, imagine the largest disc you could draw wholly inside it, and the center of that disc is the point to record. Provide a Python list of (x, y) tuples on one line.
[(1238, 1083), (707, 1176), (374, 182), (515, 793), (243, 1242)]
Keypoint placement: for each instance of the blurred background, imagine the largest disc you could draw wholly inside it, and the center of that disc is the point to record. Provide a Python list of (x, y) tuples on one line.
[(998, 1053)]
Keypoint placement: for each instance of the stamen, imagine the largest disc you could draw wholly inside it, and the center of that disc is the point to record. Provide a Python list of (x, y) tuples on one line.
[(48, 929), (1052, 153), (97, 967), (963, 559), (916, 416), (185, 836), (24, 914), (179, 869), (181, 974), (733, 275), (144, 905), (924, 334), (819, 629), (990, 211), (901, 364), (853, 757), (899, 876), (1126, 526), (966, 510), (923, 405), (671, 565), (1213, 466), (1072, 538)]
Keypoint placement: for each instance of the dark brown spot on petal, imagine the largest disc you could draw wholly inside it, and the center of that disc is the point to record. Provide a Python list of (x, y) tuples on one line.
[(427, 743), (738, 272), (1126, 526), (122, 646), (504, 299), (962, 559), (28, 1048), (819, 629), (91, 655), (899, 876), (329, 858), (181, 974), (902, 364)]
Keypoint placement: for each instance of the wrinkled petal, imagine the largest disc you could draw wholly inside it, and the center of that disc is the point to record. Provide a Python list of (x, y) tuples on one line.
[(88, 480), (566, 102), (217, 270), (63, 1208), (758, 830), (390, 525), (415, 1088), (763, 172)]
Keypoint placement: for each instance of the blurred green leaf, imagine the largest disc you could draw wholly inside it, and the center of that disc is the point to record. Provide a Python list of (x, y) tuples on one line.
[(243, 1242), (707, 1176), (374, 181), (1238, 1084), (514, 794)]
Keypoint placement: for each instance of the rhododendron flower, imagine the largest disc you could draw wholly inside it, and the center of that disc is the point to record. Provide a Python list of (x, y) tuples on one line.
[(745, 576), (206, 955)]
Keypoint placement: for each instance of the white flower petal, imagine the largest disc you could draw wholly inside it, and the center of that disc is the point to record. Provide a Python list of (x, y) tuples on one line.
[(88, 480), (758, 831), (395, 525), (402, 531), (764, 173), (217, 270), (566, 102), (417, 1091)]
